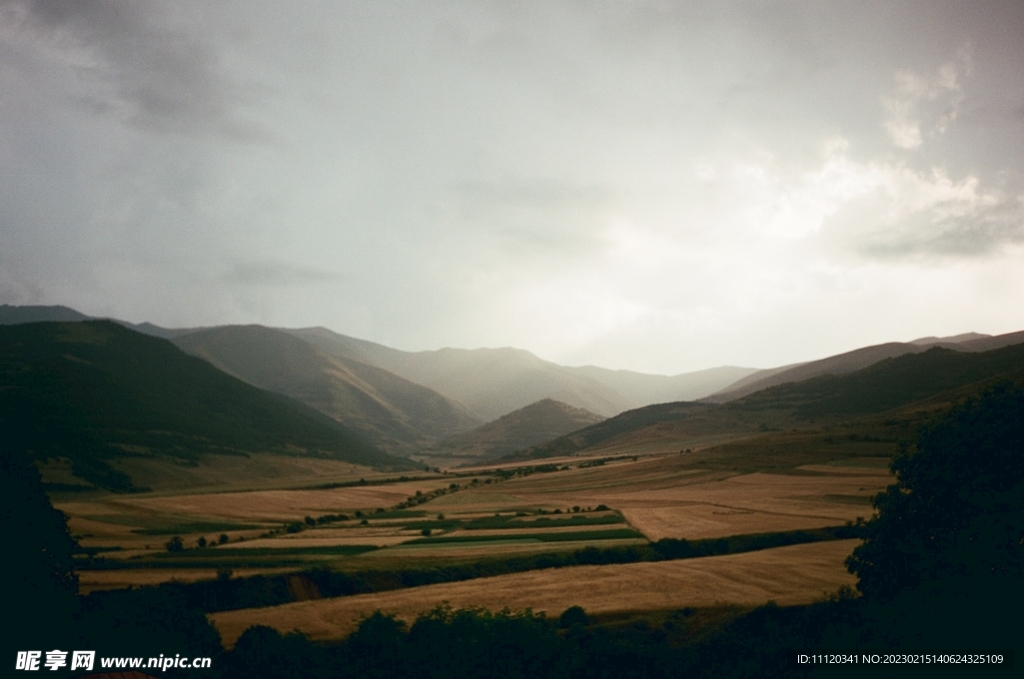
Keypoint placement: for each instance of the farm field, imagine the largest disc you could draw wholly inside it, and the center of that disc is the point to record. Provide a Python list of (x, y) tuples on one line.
[(662, 496), (788, 575), (146, 521), (449, 518)]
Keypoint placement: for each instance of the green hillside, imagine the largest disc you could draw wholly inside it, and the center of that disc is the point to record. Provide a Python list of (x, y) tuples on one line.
[(94, 390)]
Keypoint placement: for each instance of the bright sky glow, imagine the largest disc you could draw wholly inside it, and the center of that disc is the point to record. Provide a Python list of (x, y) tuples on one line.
[(656, 186)]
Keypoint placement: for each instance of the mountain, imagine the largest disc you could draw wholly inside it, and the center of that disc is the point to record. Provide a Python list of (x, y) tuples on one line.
[(640, 389), (987, 343), (538, 422), (937, 375), (494, 382), (473, 385), (490, 382), (399, 416), (94, 391), (887, 384), (608, 430), (13, 315), (857, 359), (950, 339), (155, 330)]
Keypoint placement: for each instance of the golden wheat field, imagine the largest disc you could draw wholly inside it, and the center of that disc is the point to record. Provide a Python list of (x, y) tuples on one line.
[(788, 575), (662, 498), (256, 471), (285, 505), (659, 495)]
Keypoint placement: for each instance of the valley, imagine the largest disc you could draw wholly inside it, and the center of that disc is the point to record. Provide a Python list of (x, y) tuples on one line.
[(583, 502), (281, 481)]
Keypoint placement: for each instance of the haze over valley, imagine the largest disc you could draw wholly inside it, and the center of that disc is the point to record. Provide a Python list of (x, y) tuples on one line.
[(559, 339)]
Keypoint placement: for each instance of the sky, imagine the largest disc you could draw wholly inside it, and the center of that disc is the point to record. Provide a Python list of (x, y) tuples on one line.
[(654, 186)]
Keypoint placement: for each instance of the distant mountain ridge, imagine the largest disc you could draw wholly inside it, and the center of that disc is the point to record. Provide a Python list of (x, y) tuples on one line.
[(857, 359), (951, 339), (494, 382), (13, 315), (398, 415), (538, 422), (95, 391), (933, 375), (487, 383)]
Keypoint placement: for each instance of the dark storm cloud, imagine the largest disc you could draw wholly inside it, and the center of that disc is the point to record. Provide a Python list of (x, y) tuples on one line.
[(142, 67)]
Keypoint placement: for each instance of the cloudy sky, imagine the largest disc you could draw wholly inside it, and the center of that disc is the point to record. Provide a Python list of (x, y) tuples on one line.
[(659, 186)]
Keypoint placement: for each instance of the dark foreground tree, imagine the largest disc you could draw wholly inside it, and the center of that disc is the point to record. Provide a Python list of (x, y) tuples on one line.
[(41, 585), (954, 521)]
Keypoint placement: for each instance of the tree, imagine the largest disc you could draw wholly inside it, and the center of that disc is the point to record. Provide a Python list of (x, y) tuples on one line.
[(263, 652), (40, 582), (575, 615), (175, 544), (956, 512), (377, 647)]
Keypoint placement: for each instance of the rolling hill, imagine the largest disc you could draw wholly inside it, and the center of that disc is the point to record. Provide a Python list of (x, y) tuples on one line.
[(399, 416), (611, 428), (857, 359), (93, 391), (937, 375), (887, 384), (538, 422)]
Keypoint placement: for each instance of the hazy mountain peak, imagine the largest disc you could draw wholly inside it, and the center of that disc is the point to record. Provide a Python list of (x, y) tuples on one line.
[(535, 423), (396, 414), (952, 339), (850, 361)]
